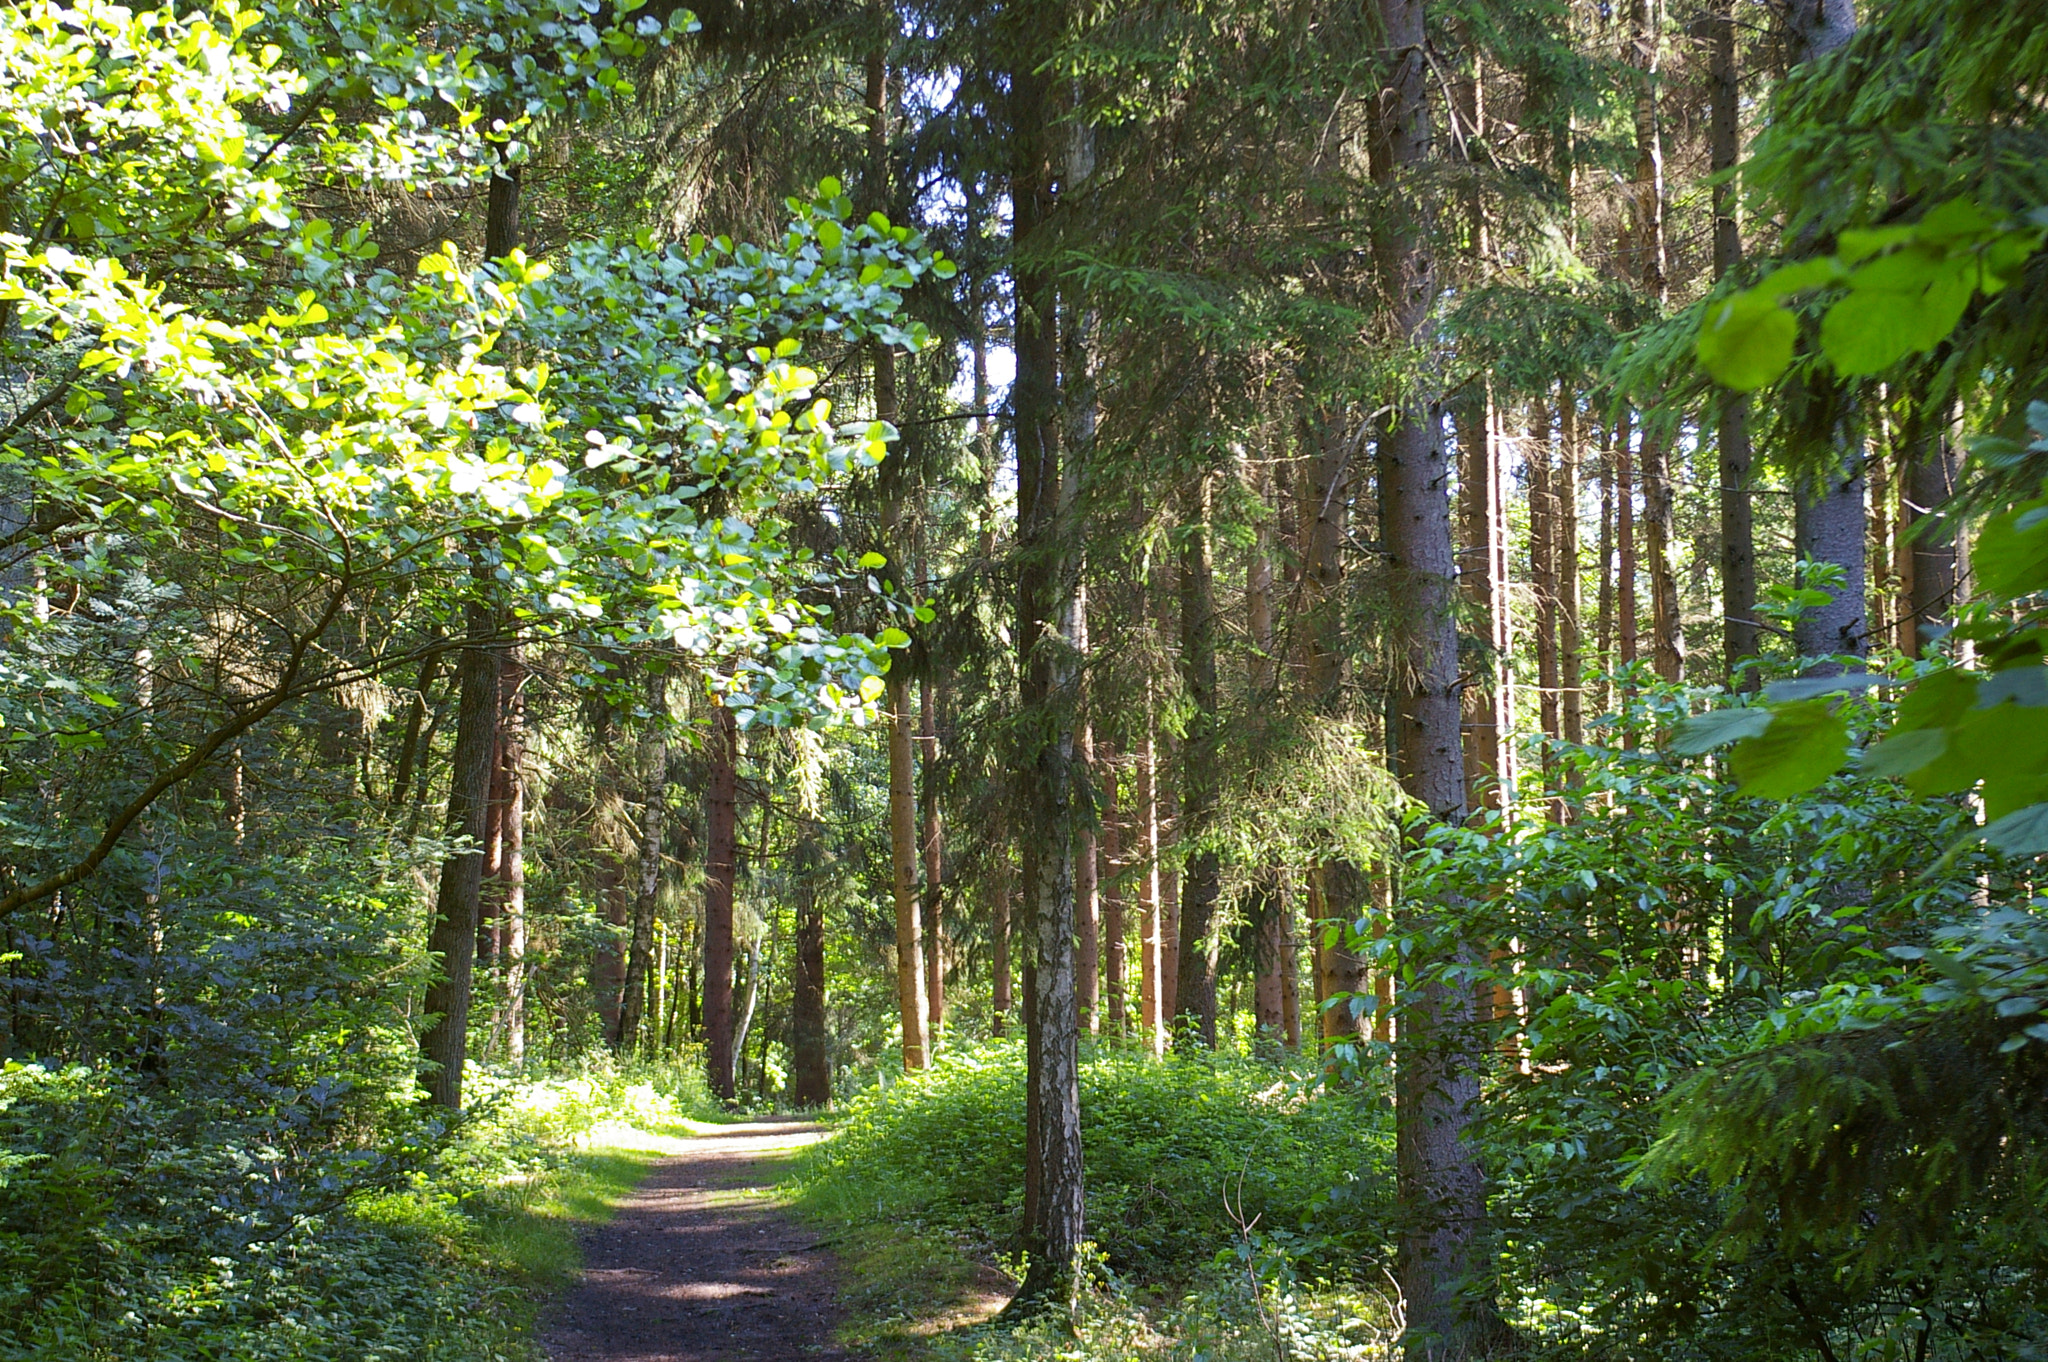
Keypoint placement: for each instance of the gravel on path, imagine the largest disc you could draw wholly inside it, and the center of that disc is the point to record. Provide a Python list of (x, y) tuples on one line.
[(694, 1268)]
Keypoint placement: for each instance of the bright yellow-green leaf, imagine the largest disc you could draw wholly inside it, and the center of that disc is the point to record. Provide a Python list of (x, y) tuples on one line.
[(1746, 342)]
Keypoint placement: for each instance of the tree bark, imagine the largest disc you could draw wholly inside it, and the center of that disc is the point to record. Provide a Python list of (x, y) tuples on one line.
[(1739, 633), (1440, 1194), (1828, 507), (1046, 622), (444, 1042), (1195, 993), (1627, 617), (721, 872), (1483, 576), (1933, 579), (933, 845), (1151, 989)]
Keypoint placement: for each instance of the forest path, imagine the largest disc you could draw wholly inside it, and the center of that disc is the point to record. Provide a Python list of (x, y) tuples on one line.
[(702, 1265)]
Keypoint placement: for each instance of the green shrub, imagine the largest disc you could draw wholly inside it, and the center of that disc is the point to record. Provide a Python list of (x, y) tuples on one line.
[(1175, 1152)]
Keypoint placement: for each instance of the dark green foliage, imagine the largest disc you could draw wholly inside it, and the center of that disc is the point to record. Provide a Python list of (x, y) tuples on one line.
[(1174, 1151)]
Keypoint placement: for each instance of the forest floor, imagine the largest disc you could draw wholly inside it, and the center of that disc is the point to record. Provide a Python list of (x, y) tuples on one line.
[(705, 1262)]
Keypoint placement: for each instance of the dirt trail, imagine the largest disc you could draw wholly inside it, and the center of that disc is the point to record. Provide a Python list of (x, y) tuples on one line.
[(692, 1269)]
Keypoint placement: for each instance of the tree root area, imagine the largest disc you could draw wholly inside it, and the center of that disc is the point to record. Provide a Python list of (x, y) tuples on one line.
[(699, 1266)]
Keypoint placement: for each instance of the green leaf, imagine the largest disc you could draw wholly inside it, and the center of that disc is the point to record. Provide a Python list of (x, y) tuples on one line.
[(871, 561), (1805, 744), (1746, 342), (1903, 753), (1897, 305), (1718, 728), (893, 638), (2010, 557)]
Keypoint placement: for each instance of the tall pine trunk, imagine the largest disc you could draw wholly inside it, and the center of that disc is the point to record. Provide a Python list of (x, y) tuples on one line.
[(1045, 622), (1829, 515), (1646, 45), (932, 842), (810, 1069), (1440, 1194), (1739, 633), (1195, 995)]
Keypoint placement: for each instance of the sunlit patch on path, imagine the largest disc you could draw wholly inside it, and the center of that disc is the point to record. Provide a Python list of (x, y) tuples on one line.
[(703, 1265)]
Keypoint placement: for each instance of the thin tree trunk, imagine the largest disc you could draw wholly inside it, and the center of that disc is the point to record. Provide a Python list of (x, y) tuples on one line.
[(1604, 640), (444, 1043), (1739, 633), (721, 872), (1571, 633), (999, 951), (934, 848), (1441, 1196), (512, 851), (1627, 617), (1088, 905), (1543, 565), (1195, 993), (1151, 989), (489, 927), (1110, 852), (416, 711), (1486, 702), (653, 782)]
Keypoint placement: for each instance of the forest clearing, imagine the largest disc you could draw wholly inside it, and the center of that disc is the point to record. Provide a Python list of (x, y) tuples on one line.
[(1023, 681)]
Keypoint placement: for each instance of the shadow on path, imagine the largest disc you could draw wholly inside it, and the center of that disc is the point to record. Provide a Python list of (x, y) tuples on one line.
[(693, 1269)]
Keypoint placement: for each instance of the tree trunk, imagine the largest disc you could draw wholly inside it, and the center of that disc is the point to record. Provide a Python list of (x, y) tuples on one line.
[(1932, 583), (1829, 505), (1564, 548), (1195, 992), (1109, 851), (1483, 575), (934, 849), (1543, 566), (1046, 624), (1087, 905), (444, 1042), (721, 872), (653, 782), (1151, 988), (999, 950), (1627, 618), (512, 851), (1440, 1194), (489, 927), (1830, 529), (416, 711), (910, 991), (1739, 633)]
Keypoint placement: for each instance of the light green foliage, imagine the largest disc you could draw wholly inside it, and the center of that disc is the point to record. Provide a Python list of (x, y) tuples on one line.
[(1165, 1145), (1666, 926), (1902, 291)]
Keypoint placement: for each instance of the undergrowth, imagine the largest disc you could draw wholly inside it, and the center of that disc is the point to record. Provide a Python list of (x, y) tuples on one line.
[(395, 1241), (1237, 1210)]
